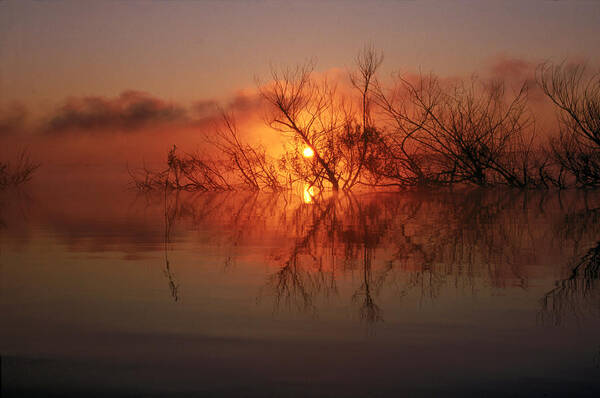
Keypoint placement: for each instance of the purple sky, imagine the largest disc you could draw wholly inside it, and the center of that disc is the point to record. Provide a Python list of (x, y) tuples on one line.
[(187, 50)]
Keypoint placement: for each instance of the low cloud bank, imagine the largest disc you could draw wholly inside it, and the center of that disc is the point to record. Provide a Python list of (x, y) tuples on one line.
[(128, 112)]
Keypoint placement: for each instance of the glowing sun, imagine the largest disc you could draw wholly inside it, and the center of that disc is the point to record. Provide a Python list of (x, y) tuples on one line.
[(308, 152)]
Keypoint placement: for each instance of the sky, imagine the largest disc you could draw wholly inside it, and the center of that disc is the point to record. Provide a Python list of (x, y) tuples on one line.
[(120, 82), (189, 50)]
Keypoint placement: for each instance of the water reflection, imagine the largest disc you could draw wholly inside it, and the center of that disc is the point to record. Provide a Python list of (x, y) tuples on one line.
[(441, 281), (308, 193), (171, 208), (578, 295), (418, 243)]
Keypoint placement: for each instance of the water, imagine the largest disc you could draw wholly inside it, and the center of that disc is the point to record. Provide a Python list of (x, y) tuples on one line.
[(106, 292)]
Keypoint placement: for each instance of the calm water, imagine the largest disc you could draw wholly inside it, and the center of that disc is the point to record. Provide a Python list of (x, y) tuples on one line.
[(479, 293)]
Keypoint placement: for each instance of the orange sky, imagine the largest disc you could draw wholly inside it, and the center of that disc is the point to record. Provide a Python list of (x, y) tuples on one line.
[(105, 80)]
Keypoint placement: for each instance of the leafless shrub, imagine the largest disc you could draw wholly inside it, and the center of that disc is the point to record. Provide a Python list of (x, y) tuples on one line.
[(17, 172), (236, 165), (421, 131), (250, 164), (187, 172), (576, 149), (463, 132), (312, 113), (308, 111)]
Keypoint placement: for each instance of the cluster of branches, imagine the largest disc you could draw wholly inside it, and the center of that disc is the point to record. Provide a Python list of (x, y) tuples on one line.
[(421, 131), (465, 132), (577, 147), (316, 116), (17, 172), (577, 292), (238, 166)]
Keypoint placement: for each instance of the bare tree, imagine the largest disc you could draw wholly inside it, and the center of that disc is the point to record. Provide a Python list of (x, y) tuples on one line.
[(312, 112), (17, 172), (577, 97), (307, 110), (235, 164), (401, 158), (363, 79), (460, 132), (249, 163), (184, 172)]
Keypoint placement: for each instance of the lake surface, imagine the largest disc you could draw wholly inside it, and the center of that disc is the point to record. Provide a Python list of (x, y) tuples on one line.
[(108, 292)]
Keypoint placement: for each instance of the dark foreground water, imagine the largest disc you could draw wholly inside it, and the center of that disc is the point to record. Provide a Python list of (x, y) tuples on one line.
[(482, 293)]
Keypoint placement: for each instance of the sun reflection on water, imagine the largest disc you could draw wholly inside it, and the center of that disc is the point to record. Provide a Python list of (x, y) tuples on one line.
[(308, 193)]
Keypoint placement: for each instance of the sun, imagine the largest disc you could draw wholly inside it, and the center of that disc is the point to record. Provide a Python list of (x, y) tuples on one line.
[(308, 152)]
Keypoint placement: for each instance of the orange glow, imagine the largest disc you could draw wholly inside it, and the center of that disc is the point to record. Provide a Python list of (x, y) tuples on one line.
[(308, 152), (308, 194)]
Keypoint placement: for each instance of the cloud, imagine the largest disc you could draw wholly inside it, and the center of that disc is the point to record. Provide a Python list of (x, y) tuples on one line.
[(204, 108), (511, 67), (134, 111), (129, 111), (516, 72), (245, 106), (12, 119), (140, 127), (243, 102)]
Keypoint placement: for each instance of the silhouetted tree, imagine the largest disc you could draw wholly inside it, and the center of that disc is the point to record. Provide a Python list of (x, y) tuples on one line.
[(311, 111), (576, 149), (17, 172), (249, 164), (462, 132)]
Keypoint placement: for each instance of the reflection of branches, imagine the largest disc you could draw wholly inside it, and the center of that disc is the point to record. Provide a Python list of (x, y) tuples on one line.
[(577, 292), (338, 227), (364, 236), (369, 311), (415, 243), (292, 285), (580, 226), (460, 242), (290, 288), (170, 215)]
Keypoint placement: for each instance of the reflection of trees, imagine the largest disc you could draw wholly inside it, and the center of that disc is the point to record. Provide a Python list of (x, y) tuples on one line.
[(460, 241), (369, 311), (417, 244), (579, 226), (292, 285), (171, 209), (15, 208), (577, 294), (361, 240), (341, 230)]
